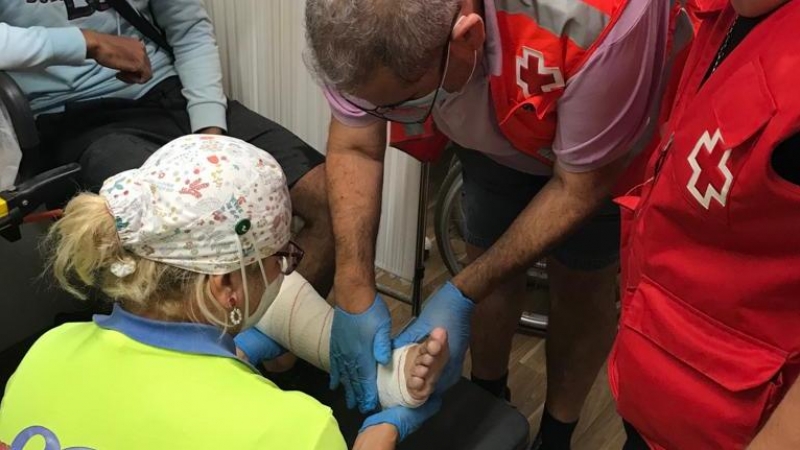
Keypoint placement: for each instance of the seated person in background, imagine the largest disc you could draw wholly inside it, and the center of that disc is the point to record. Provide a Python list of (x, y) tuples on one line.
[(107, 97), (194, 247)]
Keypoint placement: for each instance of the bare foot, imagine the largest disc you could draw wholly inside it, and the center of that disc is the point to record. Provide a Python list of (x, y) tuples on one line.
[(424, 363), (280, 364)]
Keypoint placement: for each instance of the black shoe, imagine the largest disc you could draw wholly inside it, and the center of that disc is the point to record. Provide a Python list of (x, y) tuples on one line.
[(498, 387), (559, 434)]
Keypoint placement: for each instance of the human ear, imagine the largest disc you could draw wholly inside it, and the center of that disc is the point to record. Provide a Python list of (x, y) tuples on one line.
[(223, 290), (469, 30)]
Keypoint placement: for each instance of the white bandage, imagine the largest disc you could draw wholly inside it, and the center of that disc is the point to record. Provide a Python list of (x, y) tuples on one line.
[(300, 321), (392, 386)]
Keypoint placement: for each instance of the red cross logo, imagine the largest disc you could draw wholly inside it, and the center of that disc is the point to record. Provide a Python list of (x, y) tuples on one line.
[(711, 177), (533, 76)]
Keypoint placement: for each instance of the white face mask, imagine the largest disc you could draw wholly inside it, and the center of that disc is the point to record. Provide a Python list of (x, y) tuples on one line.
[(423, 105), (270, 293)]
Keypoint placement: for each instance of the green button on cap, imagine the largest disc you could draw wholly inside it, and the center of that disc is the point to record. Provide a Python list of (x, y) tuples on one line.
[(243, 226)]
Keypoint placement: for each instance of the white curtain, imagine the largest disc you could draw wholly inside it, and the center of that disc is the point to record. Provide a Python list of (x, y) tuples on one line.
[(261, 45)]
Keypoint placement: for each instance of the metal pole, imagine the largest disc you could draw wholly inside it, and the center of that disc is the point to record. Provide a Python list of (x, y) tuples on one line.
[(415, 299), (419, 264), (394, 293)]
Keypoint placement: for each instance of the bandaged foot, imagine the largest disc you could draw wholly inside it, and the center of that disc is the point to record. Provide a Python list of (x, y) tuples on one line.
[(300, 321), (424, 364)]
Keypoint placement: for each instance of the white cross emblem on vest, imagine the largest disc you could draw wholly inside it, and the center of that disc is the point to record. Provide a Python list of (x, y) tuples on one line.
[(712, 166), (531, 80)]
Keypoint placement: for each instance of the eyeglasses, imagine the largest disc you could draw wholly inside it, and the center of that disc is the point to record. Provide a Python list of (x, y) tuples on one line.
[(291, 256), (409, 111)]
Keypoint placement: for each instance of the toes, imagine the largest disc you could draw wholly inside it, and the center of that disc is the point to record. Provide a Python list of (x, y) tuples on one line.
[(420, 371), (439, 335), (432, 347), (425, 360), (415, 383)]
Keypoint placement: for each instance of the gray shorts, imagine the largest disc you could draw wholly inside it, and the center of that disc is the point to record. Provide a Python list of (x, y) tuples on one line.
[(494, 195)]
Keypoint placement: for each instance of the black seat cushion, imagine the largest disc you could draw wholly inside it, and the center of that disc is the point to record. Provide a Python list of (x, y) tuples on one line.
[(470, 418)]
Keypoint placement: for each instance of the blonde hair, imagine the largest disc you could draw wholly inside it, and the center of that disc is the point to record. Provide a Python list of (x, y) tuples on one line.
[(82, 247)]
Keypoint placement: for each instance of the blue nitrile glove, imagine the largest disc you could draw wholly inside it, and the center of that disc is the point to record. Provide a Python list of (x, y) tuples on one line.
[(406, 420), (358, 343), (257, 346), (449, 309)]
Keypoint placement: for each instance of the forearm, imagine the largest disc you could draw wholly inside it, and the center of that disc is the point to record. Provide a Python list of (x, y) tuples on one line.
[(379, 437), (782, 431), (191, 35), (35, 48), (564, 203), (355, 180)]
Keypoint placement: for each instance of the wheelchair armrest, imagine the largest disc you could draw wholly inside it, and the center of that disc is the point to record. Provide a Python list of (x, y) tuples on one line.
[(19, 111), (29, 195)]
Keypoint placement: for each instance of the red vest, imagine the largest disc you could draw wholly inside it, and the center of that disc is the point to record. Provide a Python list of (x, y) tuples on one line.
[(709, 339), (538, 57)]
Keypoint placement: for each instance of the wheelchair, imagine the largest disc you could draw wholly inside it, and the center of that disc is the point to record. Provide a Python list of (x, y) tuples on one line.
[(36, 196), (34, 188)]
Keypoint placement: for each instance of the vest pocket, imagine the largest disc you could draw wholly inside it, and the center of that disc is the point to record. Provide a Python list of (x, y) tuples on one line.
[(685, 380)]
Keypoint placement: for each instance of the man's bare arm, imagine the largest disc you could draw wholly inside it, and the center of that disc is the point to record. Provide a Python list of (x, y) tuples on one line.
[(564, 203), (355, 181)]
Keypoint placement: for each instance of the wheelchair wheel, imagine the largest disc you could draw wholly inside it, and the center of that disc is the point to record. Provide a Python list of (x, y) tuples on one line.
[(448, 226)]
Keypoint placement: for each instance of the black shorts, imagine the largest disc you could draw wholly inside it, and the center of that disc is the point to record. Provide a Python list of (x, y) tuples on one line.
[(494, 195), (110, 135)]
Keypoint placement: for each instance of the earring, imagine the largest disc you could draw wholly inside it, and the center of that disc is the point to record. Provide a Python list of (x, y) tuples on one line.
[(236, 314)]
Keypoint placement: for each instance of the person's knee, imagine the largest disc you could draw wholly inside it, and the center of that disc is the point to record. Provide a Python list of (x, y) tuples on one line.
[(578, 290), (111, 154), (310, 199)]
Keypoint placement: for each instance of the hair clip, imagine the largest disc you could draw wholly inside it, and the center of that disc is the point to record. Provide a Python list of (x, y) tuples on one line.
[(123, 267)]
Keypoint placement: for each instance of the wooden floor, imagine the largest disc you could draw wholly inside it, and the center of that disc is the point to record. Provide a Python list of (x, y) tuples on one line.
[(600, 427)]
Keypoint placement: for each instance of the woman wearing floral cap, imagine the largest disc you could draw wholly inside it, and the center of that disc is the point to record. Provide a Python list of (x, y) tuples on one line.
[(193, 247)]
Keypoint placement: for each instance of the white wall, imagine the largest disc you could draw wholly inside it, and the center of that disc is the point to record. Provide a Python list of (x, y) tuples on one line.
[(261, 45)]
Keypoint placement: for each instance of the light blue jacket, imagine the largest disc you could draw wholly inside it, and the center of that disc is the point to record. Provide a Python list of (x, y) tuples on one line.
[(42, 47)]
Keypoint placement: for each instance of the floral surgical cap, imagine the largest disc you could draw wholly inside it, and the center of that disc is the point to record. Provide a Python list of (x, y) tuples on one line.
[(207, 204)]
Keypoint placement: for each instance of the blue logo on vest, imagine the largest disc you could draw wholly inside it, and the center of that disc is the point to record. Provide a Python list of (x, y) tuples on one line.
[(50, 440)]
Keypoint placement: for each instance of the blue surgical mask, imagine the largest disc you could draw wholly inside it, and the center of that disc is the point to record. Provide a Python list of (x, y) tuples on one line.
[(410, 111), (419, 109)]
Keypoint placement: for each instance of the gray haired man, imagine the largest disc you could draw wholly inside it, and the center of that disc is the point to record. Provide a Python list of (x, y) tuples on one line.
[(544, 100)]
